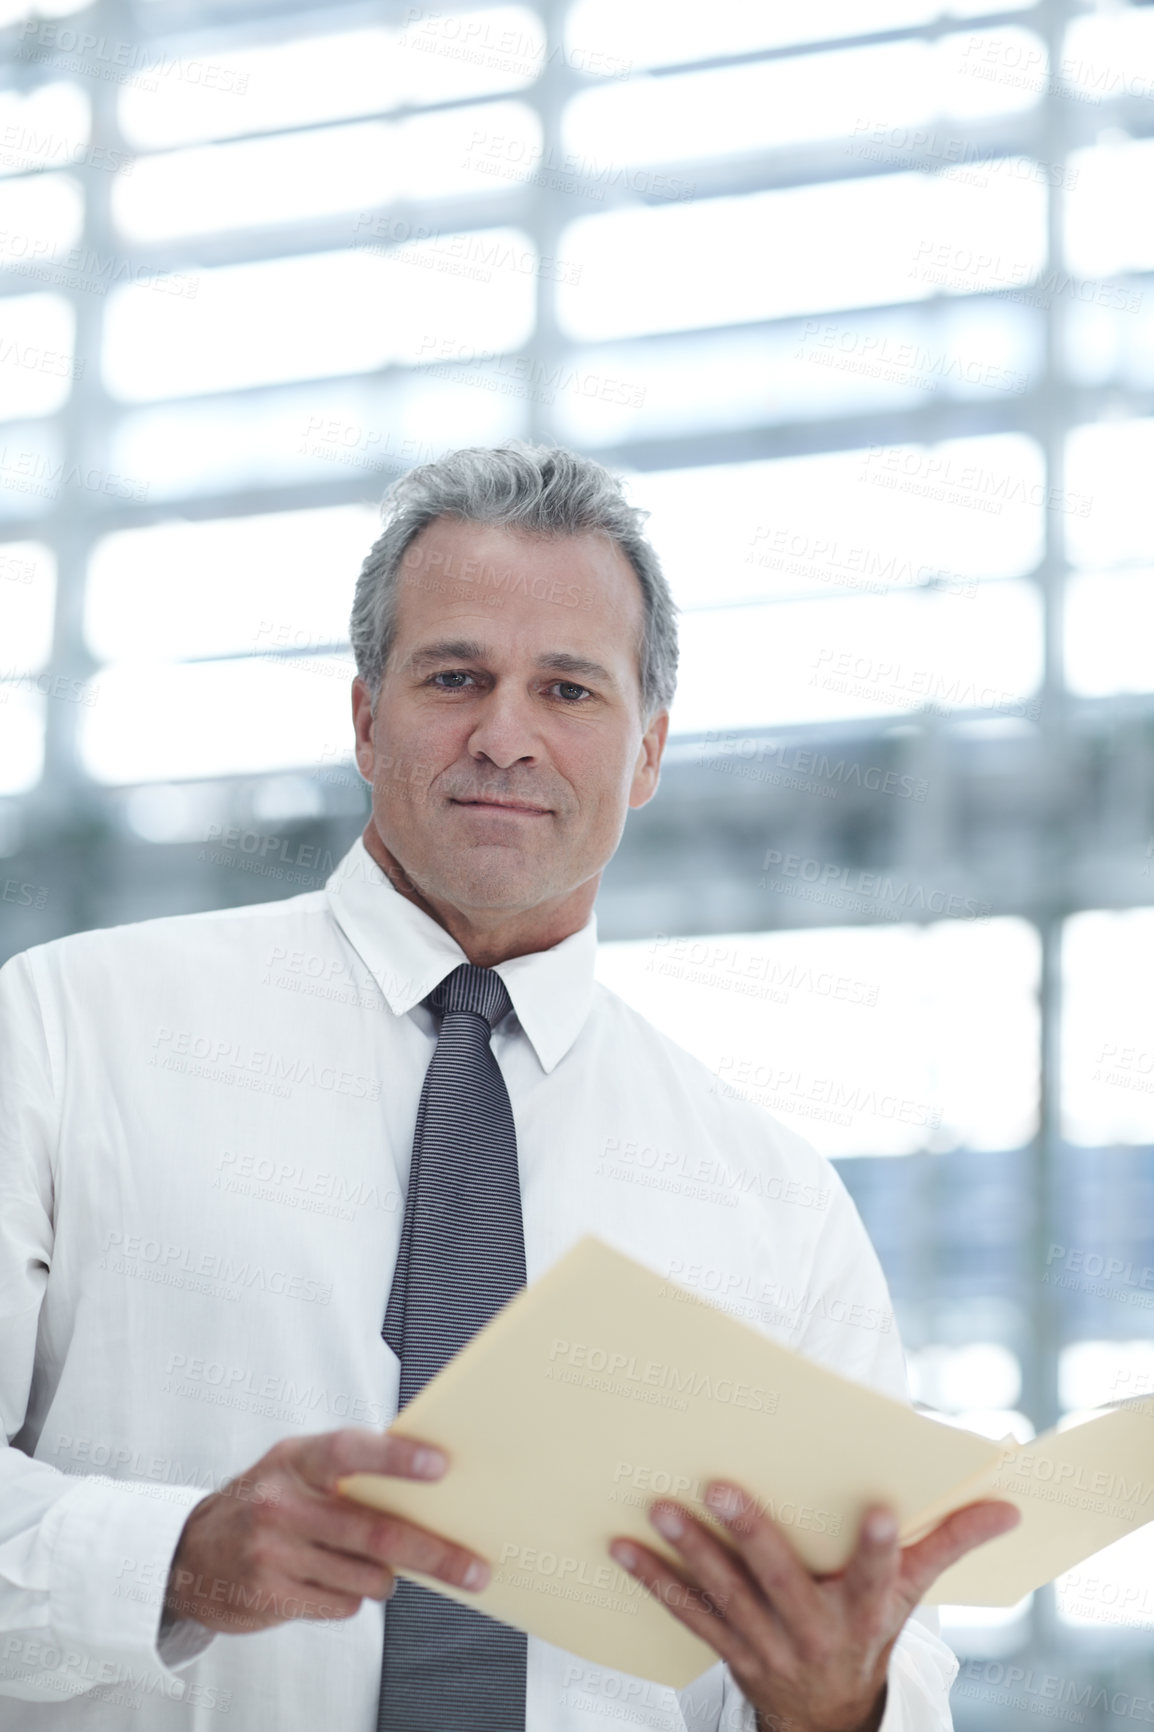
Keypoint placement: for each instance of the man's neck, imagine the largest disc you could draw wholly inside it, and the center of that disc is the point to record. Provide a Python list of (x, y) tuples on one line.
[(497, 937)]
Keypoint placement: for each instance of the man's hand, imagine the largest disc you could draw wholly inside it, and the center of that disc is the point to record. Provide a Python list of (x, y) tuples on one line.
[(809, 1652), (279, 1542)]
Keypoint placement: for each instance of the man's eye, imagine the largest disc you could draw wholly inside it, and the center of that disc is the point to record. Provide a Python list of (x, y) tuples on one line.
[(452, 674), (570, 692)]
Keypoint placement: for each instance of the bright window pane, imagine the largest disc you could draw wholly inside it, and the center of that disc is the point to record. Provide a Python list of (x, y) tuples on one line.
[(297, 83), (469, 150), (21, 737), (40, 219), (435, 58), (32, 469), (261, 181), (445, 55), (1110, 56), (653, 33), (1097, 1373), (1110, 340), (255, 323), (156, 723), (887, 517), (804, 369), (882, 656), (851, 93), (366, 428), (1111, 179), (953, 1379), (36, 354), (864, 1041), (1108, 468), (768, 255), (1107, 633), (283, 581), (299, 175), (1108, 1045), (45, 128), (27, 596)]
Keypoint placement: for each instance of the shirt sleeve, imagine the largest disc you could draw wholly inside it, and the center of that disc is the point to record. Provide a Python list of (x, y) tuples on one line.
[(847, 1323), (84, 1560)]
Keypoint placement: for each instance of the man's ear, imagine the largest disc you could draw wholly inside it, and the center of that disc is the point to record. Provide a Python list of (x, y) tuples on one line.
[(647, 771), (363, 728)]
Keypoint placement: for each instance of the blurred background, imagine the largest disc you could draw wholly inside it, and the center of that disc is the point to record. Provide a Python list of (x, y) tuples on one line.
[(859, 295)]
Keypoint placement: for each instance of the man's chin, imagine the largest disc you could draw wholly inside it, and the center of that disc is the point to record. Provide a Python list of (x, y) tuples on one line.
[(505, 882)]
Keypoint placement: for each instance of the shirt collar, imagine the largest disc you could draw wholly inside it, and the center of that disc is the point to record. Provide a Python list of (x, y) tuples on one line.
[(408, 953)]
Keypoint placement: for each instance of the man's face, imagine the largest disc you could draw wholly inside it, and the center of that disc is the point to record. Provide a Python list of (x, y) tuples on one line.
[(508, 741)]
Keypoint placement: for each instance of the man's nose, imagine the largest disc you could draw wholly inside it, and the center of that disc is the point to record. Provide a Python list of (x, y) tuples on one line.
[(506, 730)]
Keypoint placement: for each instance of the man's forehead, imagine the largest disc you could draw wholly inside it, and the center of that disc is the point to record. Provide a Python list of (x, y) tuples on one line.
[(453, 560)]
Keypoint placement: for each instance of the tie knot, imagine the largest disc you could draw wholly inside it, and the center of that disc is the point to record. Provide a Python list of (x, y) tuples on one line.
[(480, 990)]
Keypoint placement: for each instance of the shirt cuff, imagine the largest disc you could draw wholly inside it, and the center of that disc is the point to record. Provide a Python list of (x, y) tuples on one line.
[(112, 1548)]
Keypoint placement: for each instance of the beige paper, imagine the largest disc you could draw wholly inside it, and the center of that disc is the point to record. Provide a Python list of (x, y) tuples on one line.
[(603, 1386), (1078, 1490)]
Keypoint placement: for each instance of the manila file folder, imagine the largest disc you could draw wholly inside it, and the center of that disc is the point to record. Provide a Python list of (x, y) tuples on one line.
[(603, 1386)]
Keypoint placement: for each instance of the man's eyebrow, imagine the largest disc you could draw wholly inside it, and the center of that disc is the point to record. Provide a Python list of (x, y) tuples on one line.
[(470, 650), (460, 649)]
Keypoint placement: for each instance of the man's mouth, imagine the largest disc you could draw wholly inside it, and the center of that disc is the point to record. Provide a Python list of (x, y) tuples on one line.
[(520, 806)]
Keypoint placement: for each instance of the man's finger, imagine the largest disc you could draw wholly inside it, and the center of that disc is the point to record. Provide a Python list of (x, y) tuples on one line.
[(725, 1580), (770, 1559), (873, 1565), (924, 1562), (327, 1457), (683, 1599), (402, 1545)]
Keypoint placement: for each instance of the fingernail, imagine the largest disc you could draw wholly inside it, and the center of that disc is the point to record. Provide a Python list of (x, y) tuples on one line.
[(881, 1528), (625, 1554), (668, 1522), (477, 1574), (723, 1501), (430, 1463)]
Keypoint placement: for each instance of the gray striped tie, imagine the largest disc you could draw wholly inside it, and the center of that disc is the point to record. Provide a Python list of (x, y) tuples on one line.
[(446, 1667)]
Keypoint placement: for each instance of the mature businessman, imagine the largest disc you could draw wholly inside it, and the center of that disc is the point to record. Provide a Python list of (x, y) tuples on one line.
[(191, 1106)]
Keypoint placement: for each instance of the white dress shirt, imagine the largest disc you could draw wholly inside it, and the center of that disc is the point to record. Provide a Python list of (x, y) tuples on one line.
[(205, 1131)]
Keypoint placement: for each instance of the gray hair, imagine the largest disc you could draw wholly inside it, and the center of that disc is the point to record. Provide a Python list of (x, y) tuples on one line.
[(537, 490)]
